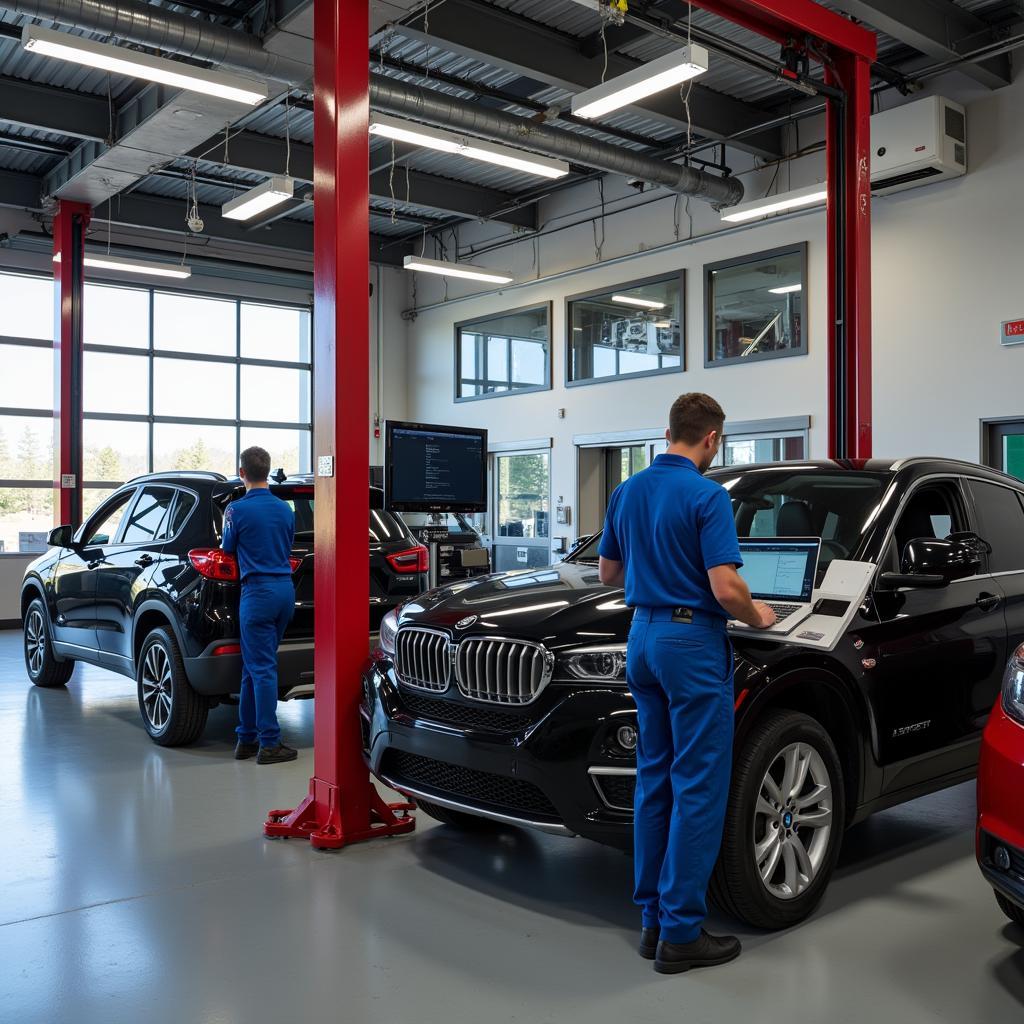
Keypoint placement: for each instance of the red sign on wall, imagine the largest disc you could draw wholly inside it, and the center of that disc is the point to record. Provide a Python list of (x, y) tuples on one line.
[(1013, 332)]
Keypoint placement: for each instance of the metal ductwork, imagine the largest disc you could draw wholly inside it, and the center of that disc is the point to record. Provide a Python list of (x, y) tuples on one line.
[(420, 104), (135, 21)]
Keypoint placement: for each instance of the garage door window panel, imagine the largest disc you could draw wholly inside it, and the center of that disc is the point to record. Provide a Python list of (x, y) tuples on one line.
[(27, 378), (509, 353), (191, 323), (634, 330), (27, 304), (116, 316), (195, 446), (114, 450), (116, 383)]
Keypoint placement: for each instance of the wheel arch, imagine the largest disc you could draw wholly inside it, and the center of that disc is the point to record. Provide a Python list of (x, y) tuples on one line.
[(149, 615), (31, 589)]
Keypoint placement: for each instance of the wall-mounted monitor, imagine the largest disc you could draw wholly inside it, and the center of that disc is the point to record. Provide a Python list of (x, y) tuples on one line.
[(431, 468)]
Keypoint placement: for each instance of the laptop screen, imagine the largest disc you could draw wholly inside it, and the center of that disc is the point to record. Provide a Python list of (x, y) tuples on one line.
[(780, 569)]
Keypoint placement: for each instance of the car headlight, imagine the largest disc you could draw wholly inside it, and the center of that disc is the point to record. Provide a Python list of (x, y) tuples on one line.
[(1013, 686), (388, 632), (606, 664)]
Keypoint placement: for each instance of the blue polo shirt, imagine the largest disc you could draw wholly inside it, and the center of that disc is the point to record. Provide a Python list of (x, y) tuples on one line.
[(259, 529), (669, 524)]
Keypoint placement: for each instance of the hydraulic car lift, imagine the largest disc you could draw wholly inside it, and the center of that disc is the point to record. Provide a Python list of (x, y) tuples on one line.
[(343, 806)]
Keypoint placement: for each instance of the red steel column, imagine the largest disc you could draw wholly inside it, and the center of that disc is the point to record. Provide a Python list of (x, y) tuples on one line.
[(342, 806), (68, 286)]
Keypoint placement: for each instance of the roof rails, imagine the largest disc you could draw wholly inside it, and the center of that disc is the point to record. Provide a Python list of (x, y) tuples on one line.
[(193, 474), (913, 459)]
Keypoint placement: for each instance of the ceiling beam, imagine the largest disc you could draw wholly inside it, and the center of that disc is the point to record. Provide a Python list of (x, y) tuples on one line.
[(939, 29), (20, 191), (496, 37), (50, 109)]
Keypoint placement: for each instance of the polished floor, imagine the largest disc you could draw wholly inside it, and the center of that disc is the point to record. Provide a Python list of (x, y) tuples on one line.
[(135, 886)]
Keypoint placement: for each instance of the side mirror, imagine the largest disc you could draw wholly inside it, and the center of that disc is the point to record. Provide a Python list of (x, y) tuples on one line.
[(928, 562), (61, 536)]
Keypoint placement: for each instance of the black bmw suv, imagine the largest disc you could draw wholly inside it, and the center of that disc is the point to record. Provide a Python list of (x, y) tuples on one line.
[(144, 589), (505, 698)]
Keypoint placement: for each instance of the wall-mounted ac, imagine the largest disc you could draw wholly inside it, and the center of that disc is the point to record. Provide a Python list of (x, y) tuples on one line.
[(917, 144)]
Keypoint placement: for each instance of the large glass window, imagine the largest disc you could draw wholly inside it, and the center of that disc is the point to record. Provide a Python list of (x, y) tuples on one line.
[(192, 323), (522, 516), (755, 307), (632, 330), (502, 354), (116, 316), (26, 306)]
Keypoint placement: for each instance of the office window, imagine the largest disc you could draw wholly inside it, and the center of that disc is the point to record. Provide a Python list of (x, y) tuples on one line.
[(503, 354), (629, 331), (755, 307)]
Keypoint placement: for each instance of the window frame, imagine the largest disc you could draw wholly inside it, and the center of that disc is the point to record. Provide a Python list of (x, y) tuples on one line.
[(593, 293), (548, 384), (798, 248)]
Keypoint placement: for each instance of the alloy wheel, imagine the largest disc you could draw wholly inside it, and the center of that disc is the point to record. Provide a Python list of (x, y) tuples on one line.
[(35, 641), (792, 821), (156, 686)]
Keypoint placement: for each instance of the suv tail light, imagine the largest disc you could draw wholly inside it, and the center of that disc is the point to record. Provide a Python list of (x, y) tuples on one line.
[(295, 562), (412, 560), (214, 564)]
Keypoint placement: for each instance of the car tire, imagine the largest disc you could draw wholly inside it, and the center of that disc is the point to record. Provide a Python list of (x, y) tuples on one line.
[(458, 819), (1011, 910), (40, 661), (763, 833), (173, 713)]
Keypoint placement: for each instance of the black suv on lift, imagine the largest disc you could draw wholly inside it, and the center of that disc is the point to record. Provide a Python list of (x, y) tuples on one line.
[(143, 588), (505, 698)]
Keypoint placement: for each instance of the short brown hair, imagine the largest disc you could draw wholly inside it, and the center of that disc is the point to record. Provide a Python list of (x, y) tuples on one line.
[(255, 463), (693, 416)]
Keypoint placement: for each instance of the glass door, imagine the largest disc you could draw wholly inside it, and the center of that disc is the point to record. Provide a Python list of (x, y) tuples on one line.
[(522, 499), (622, 463), (1004, 447)]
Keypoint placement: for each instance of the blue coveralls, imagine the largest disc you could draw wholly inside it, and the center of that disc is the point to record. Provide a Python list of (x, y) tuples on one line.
[(260, 529), (669, 525)]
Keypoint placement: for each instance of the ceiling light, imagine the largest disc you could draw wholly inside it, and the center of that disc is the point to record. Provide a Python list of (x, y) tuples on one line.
[(265, 196), (663, 324), (786, 289), (628, 300), (799, 197), (646, 80), (464, 145), (454, 270), (129, 265), (122, 61)]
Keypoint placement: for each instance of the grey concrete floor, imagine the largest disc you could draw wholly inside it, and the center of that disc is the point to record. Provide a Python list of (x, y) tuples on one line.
[(135, 886)]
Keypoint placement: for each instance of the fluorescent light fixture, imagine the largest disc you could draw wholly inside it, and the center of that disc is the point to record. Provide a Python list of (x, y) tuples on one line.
[(454, 270), (121, 61), (663, 324), (130, 265), (464, 145), (265, 196), (646, 80), (811, 195), (628, 300), (786, 289)]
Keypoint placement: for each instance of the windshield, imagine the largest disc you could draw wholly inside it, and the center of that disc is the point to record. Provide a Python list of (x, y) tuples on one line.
[(795, 503)]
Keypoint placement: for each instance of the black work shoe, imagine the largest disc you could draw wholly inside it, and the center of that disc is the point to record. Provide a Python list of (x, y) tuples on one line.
[(648, 947), (705, 951), (275, 755), (243, 751)]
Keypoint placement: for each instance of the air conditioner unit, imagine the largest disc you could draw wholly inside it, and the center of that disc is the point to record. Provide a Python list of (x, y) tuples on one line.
[(917, 144)]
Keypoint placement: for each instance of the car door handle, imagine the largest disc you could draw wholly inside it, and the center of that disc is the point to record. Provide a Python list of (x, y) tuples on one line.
[(144, 560), (987, 602)]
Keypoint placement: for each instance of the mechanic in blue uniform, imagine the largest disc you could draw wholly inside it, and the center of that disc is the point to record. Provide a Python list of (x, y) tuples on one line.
[(259, 530), (670, 539)]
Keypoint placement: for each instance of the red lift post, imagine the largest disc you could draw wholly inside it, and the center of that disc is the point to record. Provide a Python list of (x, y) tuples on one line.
[(342, 805), (68, 285)]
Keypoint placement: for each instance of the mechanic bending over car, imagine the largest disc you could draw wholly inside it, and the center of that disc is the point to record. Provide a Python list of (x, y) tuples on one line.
[(670, 539), (259, 529)]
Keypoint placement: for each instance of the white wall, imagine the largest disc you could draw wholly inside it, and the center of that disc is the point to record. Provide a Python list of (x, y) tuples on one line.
[(389, 391), (12, 571), (945, 273)]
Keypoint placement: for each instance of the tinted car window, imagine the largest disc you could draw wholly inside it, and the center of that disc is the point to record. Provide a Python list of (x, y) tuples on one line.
[(1001, 523), (148, 519), (103, 528), (934, 511), (186, 502)]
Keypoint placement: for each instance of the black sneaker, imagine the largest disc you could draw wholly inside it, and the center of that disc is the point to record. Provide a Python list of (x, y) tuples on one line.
[(705, 951), (276, 755), (648, 947), (243, 751)]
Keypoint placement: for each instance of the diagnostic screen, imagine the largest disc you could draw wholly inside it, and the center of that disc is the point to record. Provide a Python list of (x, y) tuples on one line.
[(781, 570), (436, 469)]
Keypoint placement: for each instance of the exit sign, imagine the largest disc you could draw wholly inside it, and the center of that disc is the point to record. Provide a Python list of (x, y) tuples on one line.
[(1013, 332)]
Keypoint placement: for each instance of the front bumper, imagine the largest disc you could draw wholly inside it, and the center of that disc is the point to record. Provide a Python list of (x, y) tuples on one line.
[(1000, 809), (552, 766)]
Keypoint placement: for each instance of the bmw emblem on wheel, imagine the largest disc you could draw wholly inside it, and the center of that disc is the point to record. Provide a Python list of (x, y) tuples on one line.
[(466, 622)]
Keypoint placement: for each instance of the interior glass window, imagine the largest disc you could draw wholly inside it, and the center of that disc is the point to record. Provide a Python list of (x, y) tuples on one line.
[(502, 354)]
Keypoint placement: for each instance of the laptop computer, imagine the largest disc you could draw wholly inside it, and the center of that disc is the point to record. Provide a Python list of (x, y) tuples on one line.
[(780, 571)]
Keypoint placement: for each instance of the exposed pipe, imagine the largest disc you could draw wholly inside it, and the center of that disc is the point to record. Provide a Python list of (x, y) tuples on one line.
[(138, 22), (420, 104)]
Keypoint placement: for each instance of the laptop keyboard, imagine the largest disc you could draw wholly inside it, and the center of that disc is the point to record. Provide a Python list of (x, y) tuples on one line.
[(783, 611)]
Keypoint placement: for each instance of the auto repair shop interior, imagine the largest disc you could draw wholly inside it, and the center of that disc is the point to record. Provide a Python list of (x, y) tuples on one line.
[(466, 272)]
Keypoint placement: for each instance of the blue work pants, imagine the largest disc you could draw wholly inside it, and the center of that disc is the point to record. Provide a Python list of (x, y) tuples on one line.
[(680, 674), (267, 606)]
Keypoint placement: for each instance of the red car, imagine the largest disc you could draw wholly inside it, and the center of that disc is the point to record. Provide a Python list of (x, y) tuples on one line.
[(1000, 840)]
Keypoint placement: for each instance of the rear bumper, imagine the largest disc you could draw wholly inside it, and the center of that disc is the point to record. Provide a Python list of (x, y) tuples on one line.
[(220, 675)]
